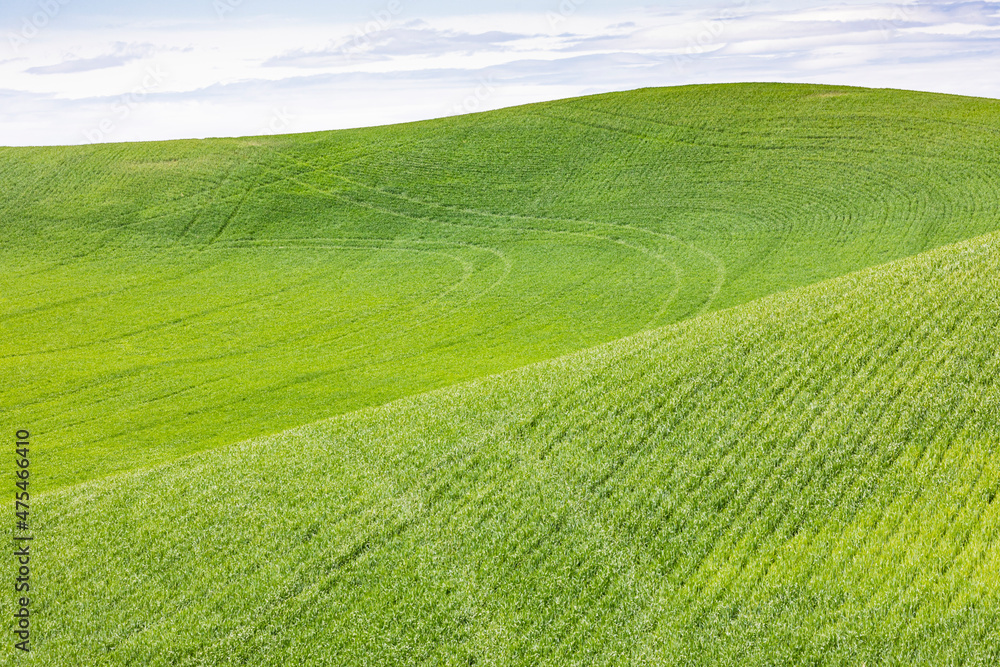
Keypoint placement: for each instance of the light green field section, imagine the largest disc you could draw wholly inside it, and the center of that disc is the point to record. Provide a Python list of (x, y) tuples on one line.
[(811, 478), (161, 299)]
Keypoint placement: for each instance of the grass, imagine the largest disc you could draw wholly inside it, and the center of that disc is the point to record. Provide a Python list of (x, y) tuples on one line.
[(699, 375), (165, 298), (807, 479)]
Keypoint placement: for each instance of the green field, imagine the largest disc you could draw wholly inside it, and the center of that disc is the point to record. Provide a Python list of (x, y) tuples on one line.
[(699, 375)]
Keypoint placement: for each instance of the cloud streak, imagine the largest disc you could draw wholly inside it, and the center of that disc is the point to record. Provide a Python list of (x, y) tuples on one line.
[(122, 54), (397, 42), (78, 65)]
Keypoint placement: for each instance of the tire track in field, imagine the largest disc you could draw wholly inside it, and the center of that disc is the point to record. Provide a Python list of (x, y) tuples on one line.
[(321, 243), (199, 210), (233, 213), (184, 321), (927, 227), (154, 327), (676, 270), (719, 266), (362, 204), (321, 344), (107, 232), (104, 294), (314, 170), (282, 343)]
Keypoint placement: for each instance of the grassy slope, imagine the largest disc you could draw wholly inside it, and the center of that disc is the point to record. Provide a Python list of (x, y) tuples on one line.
[(809, 478), (159, 299)]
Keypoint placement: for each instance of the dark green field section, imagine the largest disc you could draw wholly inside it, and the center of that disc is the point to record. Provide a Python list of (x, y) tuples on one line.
[(166, 298), (811, 478)]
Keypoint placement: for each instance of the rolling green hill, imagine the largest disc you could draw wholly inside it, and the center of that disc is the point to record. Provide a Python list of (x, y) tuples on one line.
[(164, 298), (697, 375), (808, 479)]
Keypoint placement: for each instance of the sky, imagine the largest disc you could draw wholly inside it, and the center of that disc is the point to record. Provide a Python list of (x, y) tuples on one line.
[(90, 71)]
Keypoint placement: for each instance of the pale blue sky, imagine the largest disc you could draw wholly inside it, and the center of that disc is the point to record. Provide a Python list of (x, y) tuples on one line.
[(79, 71)]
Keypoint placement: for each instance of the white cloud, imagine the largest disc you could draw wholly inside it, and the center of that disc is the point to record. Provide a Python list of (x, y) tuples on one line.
[(252, 77), (119, 55), (389, 43)]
